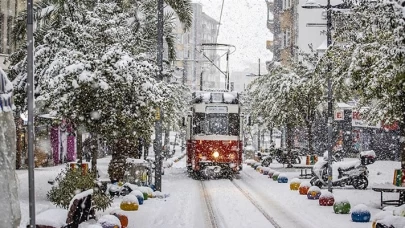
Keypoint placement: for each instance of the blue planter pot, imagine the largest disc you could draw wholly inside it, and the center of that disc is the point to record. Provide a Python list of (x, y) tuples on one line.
[(282, 180), (361, 216), (140, 199)]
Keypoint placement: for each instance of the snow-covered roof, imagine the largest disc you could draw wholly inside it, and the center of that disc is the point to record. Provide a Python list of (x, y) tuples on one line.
[(215, 97)]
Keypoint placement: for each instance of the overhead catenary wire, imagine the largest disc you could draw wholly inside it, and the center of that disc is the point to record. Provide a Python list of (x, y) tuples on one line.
[(220, 18)]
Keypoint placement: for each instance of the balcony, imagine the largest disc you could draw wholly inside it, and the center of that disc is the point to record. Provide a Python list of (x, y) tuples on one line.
[(270, 25), (269, 44)]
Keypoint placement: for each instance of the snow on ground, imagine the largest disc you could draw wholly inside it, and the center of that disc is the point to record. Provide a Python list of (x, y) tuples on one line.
[(186, 206)]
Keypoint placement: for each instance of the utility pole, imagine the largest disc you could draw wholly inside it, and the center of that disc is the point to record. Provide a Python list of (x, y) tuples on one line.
[(30, 81), (330, 94), (158, 124)]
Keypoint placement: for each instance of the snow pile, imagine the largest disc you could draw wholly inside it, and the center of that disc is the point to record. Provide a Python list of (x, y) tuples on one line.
[(305, 184), (110, 221), (368, 153), (136, 192), (314, 189), (131, 186), (339, 201), (90, 224), (318, 166), (360, 208), (392, 221), (249, 148), (81, 195), (381, 215), (160, 195), (136, 161), (295, 180), (326, 194), (250, 161), (130, 199), (52, 217), (146, 190), (399, 211), (282, 175)]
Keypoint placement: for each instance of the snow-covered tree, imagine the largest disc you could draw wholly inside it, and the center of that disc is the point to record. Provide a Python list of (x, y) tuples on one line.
[(369, 54), (273, 98), (290, 95), (99, 73)]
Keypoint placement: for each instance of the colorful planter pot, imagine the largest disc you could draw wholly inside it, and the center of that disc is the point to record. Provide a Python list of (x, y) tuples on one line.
[(129, 206), (275, 176), (295, 184), (304, 187), (341, 207), (123, 218), (271, 172), (326, 200), (282, 179), (361, 216), (361, 213)]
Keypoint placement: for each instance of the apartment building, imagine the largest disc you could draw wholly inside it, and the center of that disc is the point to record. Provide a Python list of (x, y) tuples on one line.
[(196, 70), (8, 11), (281, 21), (296, 28)]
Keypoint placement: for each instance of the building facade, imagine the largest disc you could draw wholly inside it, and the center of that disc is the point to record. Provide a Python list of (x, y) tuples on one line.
[(8, 12), (196, 70), (281, 21)]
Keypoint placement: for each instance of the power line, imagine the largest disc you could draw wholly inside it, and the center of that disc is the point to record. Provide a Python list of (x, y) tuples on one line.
[(220, 18)]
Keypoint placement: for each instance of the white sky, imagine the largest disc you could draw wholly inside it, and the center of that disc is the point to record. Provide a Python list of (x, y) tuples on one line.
[(243, 24)]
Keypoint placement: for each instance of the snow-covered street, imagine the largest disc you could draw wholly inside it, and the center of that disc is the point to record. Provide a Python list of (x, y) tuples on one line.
[(251, 200)]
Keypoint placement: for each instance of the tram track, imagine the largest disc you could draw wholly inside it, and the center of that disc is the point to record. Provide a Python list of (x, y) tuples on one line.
[(256, 204), (208, 201), (215, 219)]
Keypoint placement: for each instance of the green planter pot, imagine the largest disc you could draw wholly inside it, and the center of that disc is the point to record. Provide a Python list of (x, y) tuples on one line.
[(342, 207)]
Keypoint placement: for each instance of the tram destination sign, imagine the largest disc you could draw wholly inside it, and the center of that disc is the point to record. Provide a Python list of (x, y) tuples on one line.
[(216, 109)]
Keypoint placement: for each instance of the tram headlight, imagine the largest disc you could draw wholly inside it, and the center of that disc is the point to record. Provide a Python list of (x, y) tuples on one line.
[(215, 154)]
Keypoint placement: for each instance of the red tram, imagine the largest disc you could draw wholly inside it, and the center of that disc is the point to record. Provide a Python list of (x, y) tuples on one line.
[(214, 134)]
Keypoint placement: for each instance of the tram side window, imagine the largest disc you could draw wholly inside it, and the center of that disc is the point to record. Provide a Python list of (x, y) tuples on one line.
[(234, 124), (199, 123)]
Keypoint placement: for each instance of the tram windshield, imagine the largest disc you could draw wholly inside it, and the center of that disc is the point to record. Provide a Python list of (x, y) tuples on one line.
[(216, 123)]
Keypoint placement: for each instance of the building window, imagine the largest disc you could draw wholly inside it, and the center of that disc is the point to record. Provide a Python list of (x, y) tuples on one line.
[(286, 38), (286, 4)]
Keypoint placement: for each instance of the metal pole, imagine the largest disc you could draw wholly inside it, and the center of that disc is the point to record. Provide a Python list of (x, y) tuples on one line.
[(30, 81), (330, 102), (158, 124), (258, 139)]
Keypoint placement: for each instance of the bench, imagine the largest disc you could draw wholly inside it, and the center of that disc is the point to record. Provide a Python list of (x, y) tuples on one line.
[(304, 171), (390, 188), (80, 210)]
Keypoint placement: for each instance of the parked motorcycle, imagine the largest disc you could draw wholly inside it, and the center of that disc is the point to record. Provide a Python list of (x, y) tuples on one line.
[(344, 173), (264, 158), (283, 157)]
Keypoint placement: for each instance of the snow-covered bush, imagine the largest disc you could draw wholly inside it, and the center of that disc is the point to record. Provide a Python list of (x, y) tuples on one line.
[(70, 182)]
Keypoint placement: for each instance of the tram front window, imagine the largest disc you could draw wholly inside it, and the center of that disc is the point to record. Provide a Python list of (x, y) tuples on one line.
[(217, 123)]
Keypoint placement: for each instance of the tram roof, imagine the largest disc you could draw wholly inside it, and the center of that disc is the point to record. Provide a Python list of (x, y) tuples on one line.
[(215, 97)]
